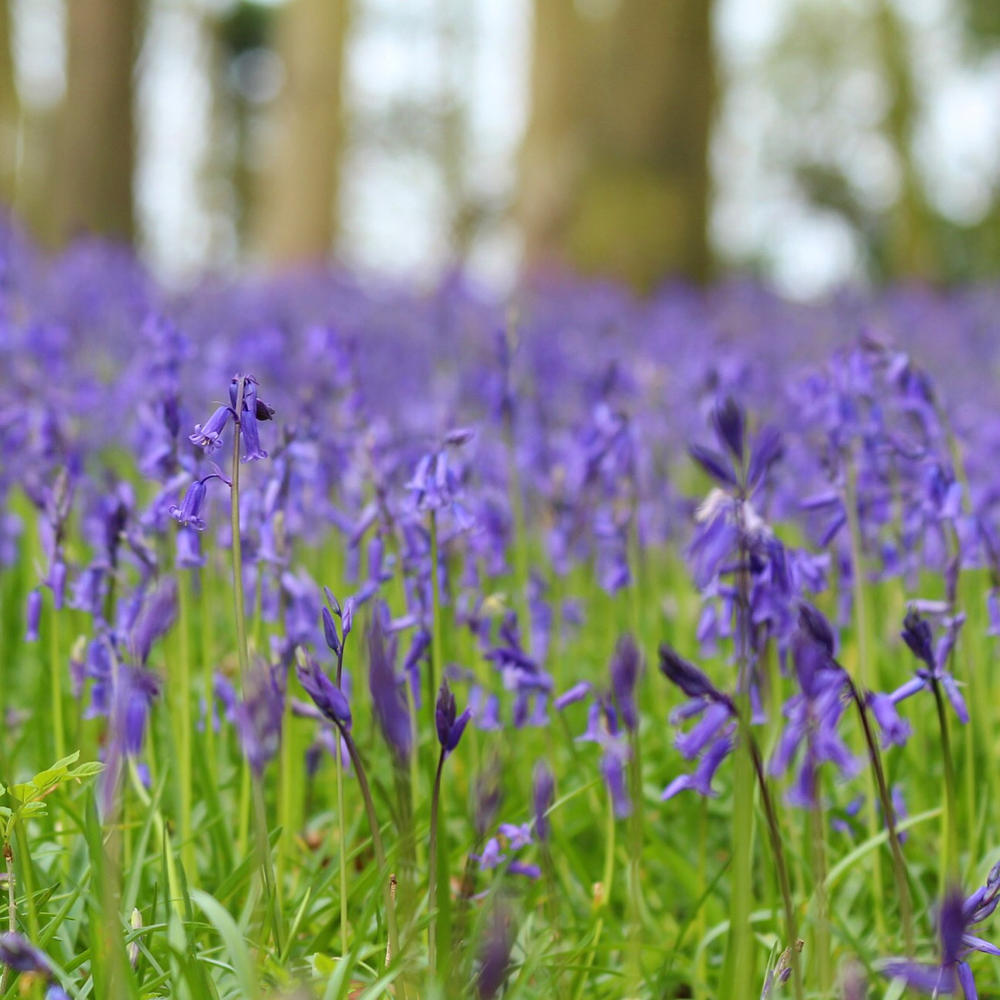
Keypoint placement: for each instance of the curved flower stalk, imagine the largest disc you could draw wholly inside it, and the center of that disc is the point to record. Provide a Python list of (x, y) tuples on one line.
[(450, 727), (698, 687), (333, 704)]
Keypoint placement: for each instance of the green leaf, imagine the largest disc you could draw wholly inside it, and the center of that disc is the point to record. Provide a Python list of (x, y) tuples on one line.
[(87, 770), (236, 947)]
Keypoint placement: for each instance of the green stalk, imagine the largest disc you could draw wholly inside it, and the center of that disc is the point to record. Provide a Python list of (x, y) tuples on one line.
[(777, 849), (341, 821), (437, 656), (821, 929), (392, 952), (949, 856), (8, 861), (898, 864), (602, 895), (56, 685), (432, 886), (635, 897), (738, 972), (342, 828), (521, 571), (864, 673), (182, 698), (242, 649), (264, 858), (28, 878), (243, 654), (701, 920)]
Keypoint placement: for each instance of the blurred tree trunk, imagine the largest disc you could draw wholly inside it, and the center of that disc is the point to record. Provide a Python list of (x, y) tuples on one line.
[(95, 145), (9, 111), (297, 200), (614, 170), (909, 247)]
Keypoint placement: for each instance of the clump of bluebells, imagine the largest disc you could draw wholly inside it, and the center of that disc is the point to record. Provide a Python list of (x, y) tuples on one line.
[(459, 777)]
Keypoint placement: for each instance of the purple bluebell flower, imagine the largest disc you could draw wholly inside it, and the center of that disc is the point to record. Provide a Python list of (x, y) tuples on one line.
[(700, 780), (613, 761), (625, 666), (449, 728), (956, 916), (689, 678), (330, 632), (134, 691), (19, 954), (435, 483), (487, 799), (390, 706), (917, 634), (576, 693), (209, 434), (494, 954), (257, 716), (543, 791), (188, 513), (154, 619), (329, 699), (252, 411), (813, 714), (729, 422), (33, 615)]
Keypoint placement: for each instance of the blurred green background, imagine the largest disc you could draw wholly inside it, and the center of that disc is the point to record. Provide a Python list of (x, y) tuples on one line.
[(809, 142)]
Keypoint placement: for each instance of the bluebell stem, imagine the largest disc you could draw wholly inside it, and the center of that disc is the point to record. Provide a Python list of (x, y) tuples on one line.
[(818, 670), (449, 732), (917, 634), (333, 704), (697, 686)]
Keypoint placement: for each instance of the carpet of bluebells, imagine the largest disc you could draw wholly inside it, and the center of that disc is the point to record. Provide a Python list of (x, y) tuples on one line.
[(360, 641)]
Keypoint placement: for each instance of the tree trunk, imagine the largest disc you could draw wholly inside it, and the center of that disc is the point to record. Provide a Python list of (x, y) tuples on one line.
[(615, 174), (92, 188), (9, 112), (297, 201), (909, 245)]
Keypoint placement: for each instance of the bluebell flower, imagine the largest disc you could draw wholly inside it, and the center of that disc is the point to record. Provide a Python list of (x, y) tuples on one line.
[(33, 615), (625, 666), (689, 678), (154, 620), (209, 434), (494, 954), (257, 716), (543, 789), (957, 915), (449, 728), (813, 714), (390, 706), (188, 513), (329, 698), (21, 955), (918, 636)]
